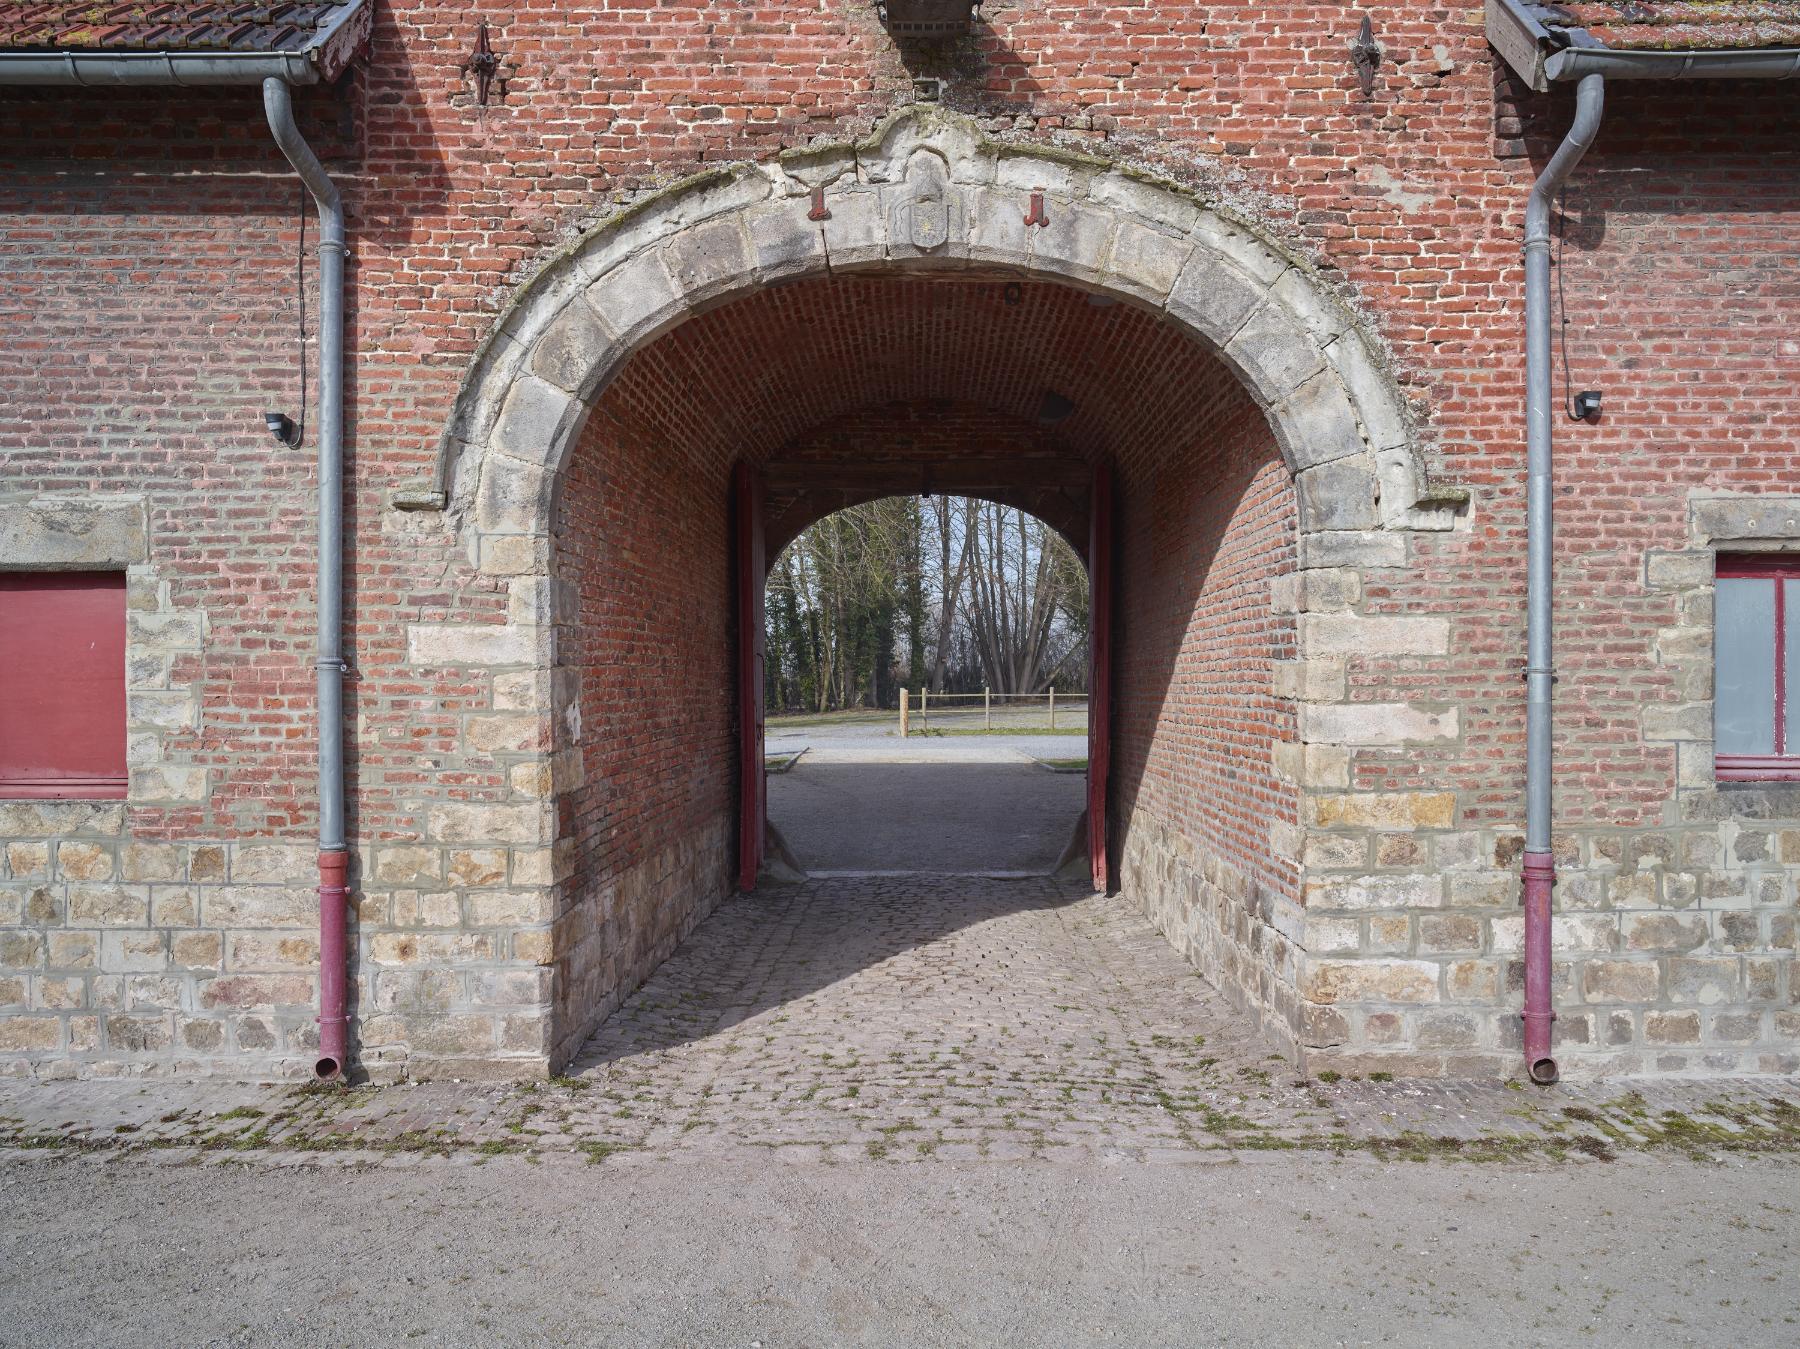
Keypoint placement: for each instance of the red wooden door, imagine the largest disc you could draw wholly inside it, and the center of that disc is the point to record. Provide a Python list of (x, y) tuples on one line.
[(751, 570), (1099, 667)]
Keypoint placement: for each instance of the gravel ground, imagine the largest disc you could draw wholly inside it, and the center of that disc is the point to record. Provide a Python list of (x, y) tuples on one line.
[(1262, 1250)]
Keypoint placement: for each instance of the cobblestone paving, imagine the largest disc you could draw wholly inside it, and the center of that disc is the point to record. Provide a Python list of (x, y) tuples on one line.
[(907, 1018)]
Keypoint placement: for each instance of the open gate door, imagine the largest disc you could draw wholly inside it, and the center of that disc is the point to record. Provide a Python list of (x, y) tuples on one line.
[(747, 491), (1099, 737)]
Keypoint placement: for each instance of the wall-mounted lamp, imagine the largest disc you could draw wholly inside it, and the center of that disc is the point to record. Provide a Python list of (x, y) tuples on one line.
[(282, 427), (1586, 407)]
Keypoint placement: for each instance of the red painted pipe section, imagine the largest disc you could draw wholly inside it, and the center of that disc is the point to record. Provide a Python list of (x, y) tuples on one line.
[(1540, 877), (334, 1010)]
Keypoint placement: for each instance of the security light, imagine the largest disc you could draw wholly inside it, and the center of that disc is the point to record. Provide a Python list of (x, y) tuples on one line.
[(282, 427), (1587, 406)]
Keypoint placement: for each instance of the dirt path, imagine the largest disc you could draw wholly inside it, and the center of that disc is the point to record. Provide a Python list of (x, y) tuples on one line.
[(1265, 1249)]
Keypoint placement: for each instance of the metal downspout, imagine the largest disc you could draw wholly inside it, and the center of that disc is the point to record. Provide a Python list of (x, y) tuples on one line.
[(1540, 678), (334, 856)]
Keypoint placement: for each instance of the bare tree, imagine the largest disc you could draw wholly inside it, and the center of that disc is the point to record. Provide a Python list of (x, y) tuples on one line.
[(1018, 579), (1007, 599), (950, 581)]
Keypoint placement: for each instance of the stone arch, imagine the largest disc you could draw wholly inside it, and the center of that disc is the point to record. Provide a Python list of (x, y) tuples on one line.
[(927, 190)]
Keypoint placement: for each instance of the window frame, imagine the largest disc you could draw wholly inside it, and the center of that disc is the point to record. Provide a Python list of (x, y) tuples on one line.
[(1780, 766), (83, 786)]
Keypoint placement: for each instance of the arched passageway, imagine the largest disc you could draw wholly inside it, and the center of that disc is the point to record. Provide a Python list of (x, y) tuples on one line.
[(844, 389), (824, 323)]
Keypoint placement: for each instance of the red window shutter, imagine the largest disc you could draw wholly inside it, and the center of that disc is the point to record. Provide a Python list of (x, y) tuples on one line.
[(62, 684)]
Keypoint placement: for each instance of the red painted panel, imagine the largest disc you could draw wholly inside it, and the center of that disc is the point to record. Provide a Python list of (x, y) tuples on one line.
[(747, 485), (1100, 599), (62, 684)]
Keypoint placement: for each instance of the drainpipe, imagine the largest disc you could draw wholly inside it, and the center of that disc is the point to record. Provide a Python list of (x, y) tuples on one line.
[(334, 855), (1540, 678)]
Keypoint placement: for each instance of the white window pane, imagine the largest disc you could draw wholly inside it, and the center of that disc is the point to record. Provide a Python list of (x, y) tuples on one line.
[(1791, 703), (1744, 643)]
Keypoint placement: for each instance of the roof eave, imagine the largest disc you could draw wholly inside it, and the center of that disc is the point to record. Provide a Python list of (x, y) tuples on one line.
[(1520, 39), (321, 60), (1542, 59)]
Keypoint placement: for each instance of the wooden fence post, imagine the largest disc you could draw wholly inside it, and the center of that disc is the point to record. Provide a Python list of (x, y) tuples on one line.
[(1053, 707), (903, 714), (987, 710)]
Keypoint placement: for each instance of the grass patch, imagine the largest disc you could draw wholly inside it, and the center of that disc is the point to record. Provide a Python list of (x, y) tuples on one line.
[(860, 716), (997, 730)]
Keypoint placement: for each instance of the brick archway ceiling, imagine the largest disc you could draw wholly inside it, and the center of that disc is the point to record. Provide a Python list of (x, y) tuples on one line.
[(853, 387)]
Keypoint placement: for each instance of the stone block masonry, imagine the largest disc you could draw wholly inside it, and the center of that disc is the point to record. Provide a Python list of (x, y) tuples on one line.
[(1319, 790)]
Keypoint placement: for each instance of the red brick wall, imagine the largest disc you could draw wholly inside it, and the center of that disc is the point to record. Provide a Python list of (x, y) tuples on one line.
[(120, 375), (1679, 264), (645, 552)]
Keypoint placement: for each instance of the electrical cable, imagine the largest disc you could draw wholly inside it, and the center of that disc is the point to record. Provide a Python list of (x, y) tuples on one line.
[(300, 305), (1562, 303)]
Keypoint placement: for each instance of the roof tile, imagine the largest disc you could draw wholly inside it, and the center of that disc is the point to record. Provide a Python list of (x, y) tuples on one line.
[(1680, 25)]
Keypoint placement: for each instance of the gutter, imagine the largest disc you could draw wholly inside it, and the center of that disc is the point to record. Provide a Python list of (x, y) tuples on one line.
[(186, 69), (320, 60), (1773, 63), (277, 73)]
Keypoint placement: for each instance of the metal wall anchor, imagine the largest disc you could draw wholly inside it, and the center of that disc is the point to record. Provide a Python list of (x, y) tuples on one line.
[(483, 65)]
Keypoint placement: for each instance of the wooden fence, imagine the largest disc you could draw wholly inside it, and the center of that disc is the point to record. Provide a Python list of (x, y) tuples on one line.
[(960, 709)]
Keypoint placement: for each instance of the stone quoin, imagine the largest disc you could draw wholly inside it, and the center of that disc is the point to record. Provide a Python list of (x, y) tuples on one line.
[(1281, 290)]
